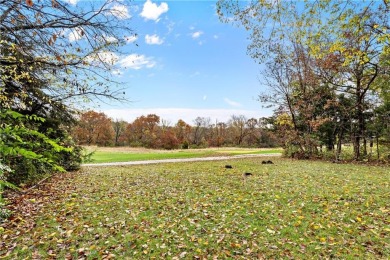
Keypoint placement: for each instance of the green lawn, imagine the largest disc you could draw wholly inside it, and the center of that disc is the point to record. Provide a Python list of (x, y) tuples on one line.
[(113, 155), (200, 210)]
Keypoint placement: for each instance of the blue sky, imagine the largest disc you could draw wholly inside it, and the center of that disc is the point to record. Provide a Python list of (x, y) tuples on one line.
[(187, 64)]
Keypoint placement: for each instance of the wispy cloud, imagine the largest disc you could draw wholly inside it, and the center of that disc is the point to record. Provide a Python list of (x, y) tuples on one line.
[(196, 35), (131, 39), (107, 57), (136, 61), (232, 103), (110, 39), (72, 2), (117, 72), (120, 11), (153, 39), (170, 27), (152, 11), (75, 34)]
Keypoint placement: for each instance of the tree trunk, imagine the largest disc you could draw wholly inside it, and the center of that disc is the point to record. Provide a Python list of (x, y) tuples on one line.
[(339, 143), (377, 146), (360, 130), (330, 145), (356, 146), (360, 118), (364, 146)]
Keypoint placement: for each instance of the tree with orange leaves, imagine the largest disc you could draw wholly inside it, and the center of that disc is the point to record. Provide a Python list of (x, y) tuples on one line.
[(94, 129)]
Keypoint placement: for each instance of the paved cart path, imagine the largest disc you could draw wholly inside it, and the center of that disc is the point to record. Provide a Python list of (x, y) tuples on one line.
[(216, 158)]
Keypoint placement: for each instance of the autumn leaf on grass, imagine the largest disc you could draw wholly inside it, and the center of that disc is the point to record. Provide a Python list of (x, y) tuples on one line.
[(270, 231), (220, 239)]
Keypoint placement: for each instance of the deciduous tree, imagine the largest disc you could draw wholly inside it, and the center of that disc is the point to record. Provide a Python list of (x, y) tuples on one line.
[(94, 129), (199, 130), (183, 132), (345, 40), (119, 127), (238, 130), (143, 130), (51, 51)]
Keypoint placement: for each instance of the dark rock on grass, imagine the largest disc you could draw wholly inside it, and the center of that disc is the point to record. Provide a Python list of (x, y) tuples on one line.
[(228, 166), (248, 174), (267, 162)]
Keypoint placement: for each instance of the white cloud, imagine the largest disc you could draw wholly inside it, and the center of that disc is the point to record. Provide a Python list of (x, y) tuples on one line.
[(170, 27), (108, 57), (76, 34), (136, 61), (152, 11), (186, 114), (120, 11), (232, 103), (216, 36), (117, 72), (153, 39), (131, 39), (110, 39), (72, 2), (196, 34), (132, 61), (204, 97)]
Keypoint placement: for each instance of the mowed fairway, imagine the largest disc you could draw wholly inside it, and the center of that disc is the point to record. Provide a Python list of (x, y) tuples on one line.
[(126, 154), (289, 209)]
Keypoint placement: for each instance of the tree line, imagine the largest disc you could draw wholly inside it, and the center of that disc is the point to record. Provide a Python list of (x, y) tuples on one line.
[(327, 71), (96, 128)]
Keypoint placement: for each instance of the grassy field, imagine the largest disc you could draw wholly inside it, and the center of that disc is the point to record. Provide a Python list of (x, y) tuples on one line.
[(290, 209), (125, 154)]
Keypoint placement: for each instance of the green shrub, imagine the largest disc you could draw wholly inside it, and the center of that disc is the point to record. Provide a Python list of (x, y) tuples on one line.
[(71, 160), (4, 169), (185, 145), (86, 156), (33, 149)]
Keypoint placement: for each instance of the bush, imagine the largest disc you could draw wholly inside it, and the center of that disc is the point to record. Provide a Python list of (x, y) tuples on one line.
[(86, 156), (31, 154), (71, 161), (168, 141), (290, 150), (136, 144), (26, 171), (185, 145), (4, 169)]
